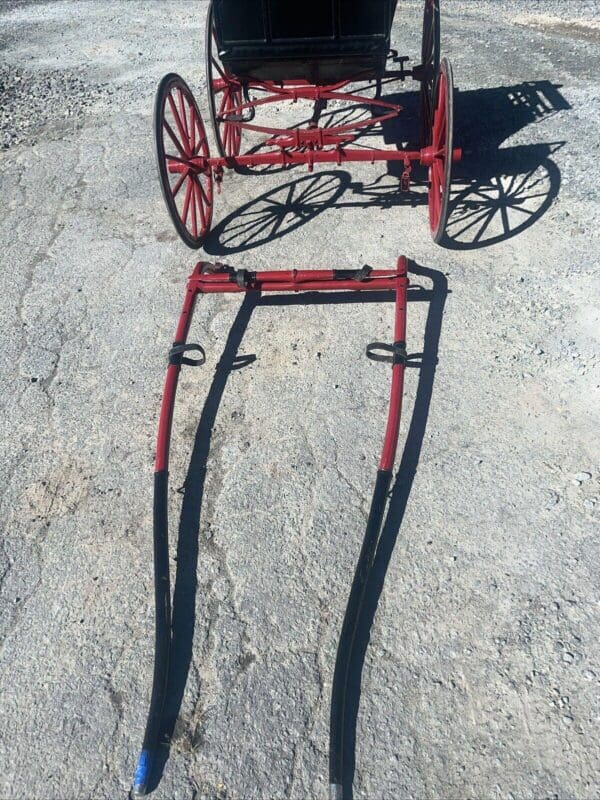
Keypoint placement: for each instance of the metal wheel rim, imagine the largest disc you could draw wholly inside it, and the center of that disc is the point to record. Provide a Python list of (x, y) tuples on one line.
[(440, 172), (188, 194)]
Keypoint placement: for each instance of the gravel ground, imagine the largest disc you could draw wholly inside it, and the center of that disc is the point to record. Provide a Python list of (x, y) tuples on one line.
[(480, 673)]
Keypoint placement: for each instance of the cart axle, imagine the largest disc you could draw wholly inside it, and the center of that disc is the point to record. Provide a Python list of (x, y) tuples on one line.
[(426, 156)]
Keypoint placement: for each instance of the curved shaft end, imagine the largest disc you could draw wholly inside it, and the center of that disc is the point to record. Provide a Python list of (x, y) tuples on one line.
[(141, 775), (335, 791)]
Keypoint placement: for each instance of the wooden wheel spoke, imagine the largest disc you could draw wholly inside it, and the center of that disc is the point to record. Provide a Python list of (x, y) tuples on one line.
[(201, 141), (176, 159), (180, 127), (438, 166), (200, 204), (179, 183), (186, 202), (217, 66), (192, 128), (182, 112), (223, 103), (226, 132), (194, 212), (174, 139), (205, 197)]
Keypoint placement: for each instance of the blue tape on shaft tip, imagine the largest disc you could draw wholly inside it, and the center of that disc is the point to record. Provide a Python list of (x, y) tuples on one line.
[(142, 772)]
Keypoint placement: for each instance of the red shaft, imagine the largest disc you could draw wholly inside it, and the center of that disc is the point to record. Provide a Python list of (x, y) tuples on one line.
[(297, 286), (390, 442), (165, 421)]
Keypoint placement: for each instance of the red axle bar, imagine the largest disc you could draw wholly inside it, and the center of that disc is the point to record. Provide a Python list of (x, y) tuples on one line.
[(282, 157)]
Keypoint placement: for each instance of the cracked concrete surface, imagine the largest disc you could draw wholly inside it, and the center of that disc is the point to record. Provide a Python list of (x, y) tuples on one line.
[(481, 676)]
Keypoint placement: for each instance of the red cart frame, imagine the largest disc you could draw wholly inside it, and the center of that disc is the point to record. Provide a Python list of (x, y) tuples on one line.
[(189, 173)]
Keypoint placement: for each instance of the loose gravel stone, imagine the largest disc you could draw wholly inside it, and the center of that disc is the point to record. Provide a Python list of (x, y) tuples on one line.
[(48, 100)]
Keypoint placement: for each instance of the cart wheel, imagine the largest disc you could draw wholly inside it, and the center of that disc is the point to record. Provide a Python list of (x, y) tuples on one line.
[(430, 61), (224, 91), (441, 145), (181, 142)]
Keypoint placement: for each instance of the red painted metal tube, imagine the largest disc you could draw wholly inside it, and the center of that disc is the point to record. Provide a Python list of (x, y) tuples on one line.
[(390, 441), (306, 286), (283, 157), (168, 402), (289, 275), (294, 281)]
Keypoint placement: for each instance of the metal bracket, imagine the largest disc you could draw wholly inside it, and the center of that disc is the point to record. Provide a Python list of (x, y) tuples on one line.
[(241, 277), (352, 274)]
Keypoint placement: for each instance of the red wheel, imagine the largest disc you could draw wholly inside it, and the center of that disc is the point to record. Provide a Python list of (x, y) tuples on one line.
[(441, 152), (182, 148), (224, 96)]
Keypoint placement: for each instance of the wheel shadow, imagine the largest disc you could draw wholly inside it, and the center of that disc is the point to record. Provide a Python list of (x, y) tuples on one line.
[(276, 212), (187, 552), (497, 191)]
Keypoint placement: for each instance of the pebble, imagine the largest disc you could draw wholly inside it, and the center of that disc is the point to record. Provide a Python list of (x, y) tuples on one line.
[(582, 477), (589, 503), (31, 100)]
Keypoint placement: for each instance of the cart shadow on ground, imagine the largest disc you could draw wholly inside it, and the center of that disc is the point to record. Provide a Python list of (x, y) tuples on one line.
[(497, 193), (188, 542)]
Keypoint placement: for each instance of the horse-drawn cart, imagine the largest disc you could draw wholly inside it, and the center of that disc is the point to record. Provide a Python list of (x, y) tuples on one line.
[(260, 54)]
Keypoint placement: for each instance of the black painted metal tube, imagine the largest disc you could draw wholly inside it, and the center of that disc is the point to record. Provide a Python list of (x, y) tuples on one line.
[(162, 594), (347, 636)]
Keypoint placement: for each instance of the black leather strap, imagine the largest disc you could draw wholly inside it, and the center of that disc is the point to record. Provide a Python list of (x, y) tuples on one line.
[(377, 351), (176, 354), (352, 274)]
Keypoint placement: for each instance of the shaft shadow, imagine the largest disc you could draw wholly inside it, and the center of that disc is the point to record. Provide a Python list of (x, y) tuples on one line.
[(183, 619), (186, 583), (436, 297), (497, 191)]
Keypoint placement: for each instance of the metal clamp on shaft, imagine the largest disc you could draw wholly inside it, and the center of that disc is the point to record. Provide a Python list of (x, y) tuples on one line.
[(352, 274), (397, 352), (241, 277), (176, 354)]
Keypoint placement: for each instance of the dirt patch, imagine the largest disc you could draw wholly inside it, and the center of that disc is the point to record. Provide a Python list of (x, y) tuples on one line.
[(35, 102), (574, 28)]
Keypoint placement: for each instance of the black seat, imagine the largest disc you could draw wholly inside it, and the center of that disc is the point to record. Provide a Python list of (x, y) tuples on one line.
[(321, 41)]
